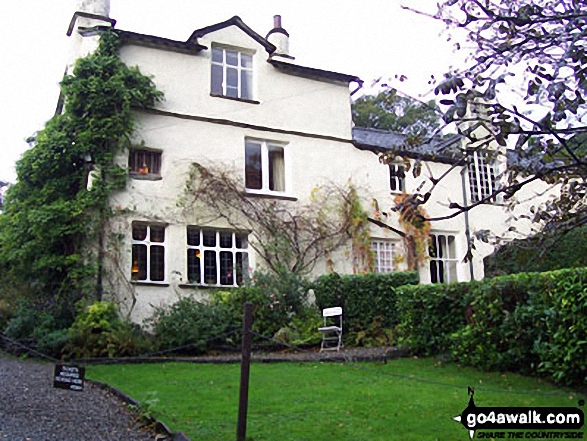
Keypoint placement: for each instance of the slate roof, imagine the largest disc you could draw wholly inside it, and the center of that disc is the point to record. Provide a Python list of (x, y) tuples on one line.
[(444, 150)]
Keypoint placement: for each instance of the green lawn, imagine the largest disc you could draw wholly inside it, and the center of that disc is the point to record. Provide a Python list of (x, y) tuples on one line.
[(405, 399)]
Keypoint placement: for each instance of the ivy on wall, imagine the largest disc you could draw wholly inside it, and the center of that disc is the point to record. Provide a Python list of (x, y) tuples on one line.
[(51, 221)]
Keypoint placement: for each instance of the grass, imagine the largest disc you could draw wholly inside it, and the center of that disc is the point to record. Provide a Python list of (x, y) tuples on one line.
[(405, 399)]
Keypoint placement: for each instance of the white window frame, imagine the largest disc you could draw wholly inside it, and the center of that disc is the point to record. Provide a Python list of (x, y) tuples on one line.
[(443, 266), (266, 146), (384, 251), (148, 243), (217, 249), (482, 176), (397, 176), (238, 67)]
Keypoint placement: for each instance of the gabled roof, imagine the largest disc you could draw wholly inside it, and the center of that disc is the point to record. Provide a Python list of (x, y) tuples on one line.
[(445, 150), (234, 21)]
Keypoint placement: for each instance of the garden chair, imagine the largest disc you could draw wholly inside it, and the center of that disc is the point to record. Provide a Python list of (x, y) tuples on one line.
[(332, 329)]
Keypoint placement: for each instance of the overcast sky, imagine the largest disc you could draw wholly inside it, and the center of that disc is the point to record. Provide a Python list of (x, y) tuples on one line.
[(370, 39)]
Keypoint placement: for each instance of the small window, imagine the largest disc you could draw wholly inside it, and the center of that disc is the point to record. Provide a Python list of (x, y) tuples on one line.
[(482, 176), (148, 252), (264, 167), (144, 163), (443, 260), (383, 253), (216, 257), (397, 178), (232, 73)]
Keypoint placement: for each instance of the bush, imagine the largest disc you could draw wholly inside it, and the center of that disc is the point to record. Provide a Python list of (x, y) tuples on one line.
[(429, 314), (534, 323), (189, 322), (369, 303), (98, 332)]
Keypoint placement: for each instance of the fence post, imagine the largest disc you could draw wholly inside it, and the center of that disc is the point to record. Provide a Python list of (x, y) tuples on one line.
[(243, 403)]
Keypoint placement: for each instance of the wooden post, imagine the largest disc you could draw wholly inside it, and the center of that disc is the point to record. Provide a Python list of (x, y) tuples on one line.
[(243, 403)]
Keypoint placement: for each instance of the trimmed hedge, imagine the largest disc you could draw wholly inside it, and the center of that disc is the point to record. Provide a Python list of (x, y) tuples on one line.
[(368, 301), (429, 314), (534, 323)]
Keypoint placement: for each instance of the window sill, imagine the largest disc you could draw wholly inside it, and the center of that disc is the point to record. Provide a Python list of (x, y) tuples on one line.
[(148, 283), (198, 286), (279, 196), (242, 100), (147, 177)]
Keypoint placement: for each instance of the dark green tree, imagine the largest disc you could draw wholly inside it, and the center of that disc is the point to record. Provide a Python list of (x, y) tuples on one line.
[(389, 110), (51, 221)]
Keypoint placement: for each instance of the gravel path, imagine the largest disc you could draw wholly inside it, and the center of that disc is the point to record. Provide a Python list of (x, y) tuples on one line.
[(31, 409)]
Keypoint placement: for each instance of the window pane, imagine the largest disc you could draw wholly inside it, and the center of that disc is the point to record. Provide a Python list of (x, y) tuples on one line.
[(209, 238), (225, 239), (193, 236), (232, 78), (276, 169), (434, 271), (246, 84), (246, 60), (232, 58), (157, 234), (139, 262), (450, 250), (194, 266), (253, 175), (157, 263), (242, 266), (232, 92), (432, 252), (241, 241), (217, 55), (217, 79), (139, 232), (226, 272), (210, 268)]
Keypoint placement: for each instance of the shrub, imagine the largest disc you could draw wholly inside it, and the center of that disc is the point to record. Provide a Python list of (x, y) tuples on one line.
[(188, 322), (369, 303), (429, 314), (98, 332), (529, 322), (271, 311)]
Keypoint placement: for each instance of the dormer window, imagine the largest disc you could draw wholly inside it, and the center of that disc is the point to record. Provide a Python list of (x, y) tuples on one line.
[(232, 73)]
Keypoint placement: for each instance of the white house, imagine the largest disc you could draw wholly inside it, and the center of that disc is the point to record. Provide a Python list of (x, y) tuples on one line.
[(236, 98)]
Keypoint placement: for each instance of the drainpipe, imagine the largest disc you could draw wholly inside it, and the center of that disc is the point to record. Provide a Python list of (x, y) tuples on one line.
[(467, 226)]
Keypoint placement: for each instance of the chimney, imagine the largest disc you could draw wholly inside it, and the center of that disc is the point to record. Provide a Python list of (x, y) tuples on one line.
[(279, 38), (96, 7)]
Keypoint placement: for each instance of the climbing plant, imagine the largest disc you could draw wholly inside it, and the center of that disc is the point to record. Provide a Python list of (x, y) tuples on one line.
[(51, 220), (413, 220), (289, 237)]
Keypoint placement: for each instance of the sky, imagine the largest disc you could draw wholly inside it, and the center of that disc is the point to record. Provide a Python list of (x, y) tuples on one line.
[(370, 39)]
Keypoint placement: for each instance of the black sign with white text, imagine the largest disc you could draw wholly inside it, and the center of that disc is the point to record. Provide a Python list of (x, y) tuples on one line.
[(69, 377)]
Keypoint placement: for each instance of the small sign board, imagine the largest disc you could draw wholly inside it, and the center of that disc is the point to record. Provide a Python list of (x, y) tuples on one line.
[(69, 377)]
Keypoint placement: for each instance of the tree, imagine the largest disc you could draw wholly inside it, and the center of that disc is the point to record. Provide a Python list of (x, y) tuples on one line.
[(51, 220), (539, 47), (388, 110)]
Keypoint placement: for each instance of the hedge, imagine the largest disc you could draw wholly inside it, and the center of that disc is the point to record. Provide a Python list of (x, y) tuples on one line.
[(534, 323), (368, 301)]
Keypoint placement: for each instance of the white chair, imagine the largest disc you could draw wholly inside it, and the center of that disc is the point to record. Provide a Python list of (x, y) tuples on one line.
[(332, 329)]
